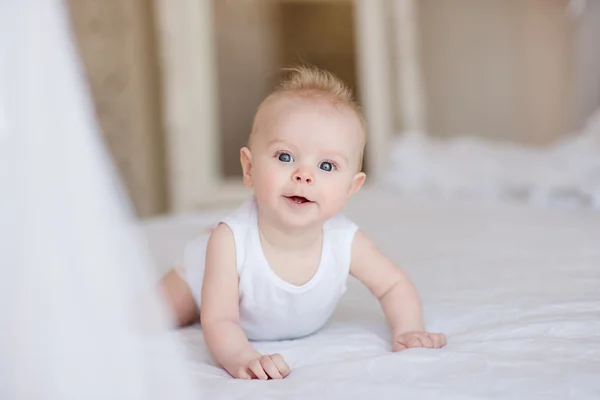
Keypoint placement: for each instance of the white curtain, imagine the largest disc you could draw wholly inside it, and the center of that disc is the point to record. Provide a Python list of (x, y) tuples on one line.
[(72, 259)]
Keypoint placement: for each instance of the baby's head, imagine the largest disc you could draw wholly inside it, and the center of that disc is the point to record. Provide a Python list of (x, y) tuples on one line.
[(304, 155)]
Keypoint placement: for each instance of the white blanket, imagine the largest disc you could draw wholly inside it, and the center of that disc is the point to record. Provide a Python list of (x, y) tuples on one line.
[(563, 175), (515, 289)]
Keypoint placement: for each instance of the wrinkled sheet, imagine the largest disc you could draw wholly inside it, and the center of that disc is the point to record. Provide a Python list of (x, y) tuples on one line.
[(516, 290)]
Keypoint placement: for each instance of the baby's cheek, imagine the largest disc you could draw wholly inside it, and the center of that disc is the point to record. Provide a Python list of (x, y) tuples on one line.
[(268, 184), (263, 188), (336, 192)]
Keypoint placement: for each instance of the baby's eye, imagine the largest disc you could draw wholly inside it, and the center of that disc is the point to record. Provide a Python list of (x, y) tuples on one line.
[(327, 166), (285, 157)]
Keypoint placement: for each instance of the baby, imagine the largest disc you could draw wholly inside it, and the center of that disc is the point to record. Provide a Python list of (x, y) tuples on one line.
[(276, 267)]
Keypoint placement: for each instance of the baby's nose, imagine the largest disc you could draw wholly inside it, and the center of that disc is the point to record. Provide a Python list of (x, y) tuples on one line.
[(303, 176)]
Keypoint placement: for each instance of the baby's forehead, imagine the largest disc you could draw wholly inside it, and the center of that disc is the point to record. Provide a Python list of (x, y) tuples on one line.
[(284, 115)]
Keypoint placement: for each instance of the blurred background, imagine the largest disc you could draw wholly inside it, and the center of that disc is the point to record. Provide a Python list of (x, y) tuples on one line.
[(175, 89)]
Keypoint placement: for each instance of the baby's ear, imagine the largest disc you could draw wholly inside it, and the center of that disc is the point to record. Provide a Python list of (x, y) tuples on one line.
[(357, 183), (246, 160)]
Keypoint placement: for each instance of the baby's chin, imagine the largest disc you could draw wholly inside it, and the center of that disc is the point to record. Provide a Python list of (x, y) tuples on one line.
[(315, 218), (292, 217)]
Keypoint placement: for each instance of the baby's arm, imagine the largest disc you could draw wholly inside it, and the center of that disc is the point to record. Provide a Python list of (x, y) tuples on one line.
[(219, 315), (397, 295)]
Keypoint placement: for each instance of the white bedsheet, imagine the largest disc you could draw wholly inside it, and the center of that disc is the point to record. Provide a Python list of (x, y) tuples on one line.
[(516, 290)]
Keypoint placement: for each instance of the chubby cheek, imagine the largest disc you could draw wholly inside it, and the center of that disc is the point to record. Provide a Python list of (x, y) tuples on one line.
[(335, 195), (267, 183)]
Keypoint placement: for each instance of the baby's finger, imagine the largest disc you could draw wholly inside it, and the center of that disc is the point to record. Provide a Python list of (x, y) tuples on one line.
[(269, 367), (257, 369), (414, 342), (439, 340), (281, 365), (426, 341)]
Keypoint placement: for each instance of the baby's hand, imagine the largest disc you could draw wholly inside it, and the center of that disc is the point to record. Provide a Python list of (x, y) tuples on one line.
[(428, 340), (268, 366)]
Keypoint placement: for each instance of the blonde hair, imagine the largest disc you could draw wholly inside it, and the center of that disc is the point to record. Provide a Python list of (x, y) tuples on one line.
[(315, 83)]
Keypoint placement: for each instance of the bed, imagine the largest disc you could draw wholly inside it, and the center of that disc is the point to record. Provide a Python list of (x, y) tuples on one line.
[(515, 288)]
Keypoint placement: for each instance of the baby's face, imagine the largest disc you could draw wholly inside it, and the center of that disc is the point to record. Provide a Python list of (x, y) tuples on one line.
[(304, 160)]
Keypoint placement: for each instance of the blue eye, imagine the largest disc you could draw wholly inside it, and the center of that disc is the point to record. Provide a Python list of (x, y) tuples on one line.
[(327, 166), (285, 157)]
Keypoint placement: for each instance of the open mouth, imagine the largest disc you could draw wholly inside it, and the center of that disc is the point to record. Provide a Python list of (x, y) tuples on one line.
[(298, 199)]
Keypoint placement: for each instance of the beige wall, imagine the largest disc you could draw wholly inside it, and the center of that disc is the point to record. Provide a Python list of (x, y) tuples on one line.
[(499, 68), (117, 47)]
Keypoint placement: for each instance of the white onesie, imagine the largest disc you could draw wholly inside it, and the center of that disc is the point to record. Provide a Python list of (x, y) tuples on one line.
[(270, 307)]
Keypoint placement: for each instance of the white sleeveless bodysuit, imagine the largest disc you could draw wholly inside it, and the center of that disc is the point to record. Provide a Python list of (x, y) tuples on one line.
[(270, 307)]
